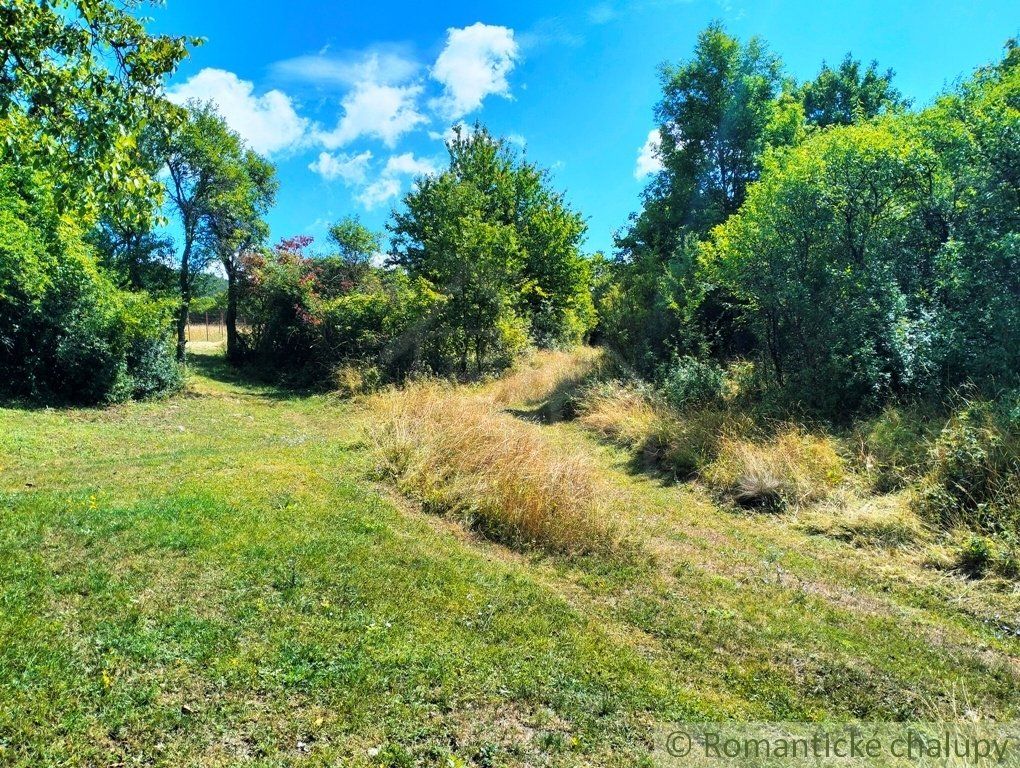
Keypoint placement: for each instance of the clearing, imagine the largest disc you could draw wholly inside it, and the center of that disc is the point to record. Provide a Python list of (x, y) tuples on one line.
[(221, 578)]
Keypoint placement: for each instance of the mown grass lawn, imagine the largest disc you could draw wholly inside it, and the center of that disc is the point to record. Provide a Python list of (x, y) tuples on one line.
[(216, 579)]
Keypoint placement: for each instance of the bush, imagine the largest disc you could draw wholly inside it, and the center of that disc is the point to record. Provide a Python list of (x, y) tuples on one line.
[(974, 476), (66, 332), (311, 317), (688, 382), (975, 556), (894, 448)]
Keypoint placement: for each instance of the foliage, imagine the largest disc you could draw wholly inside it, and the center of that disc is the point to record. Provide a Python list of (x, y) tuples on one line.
[(79, 79), (719, 113), (491, 237), (313, 318), (220, 191), (688, 382), (823, 229), (356, 242), (849, 94), (883, 220), (974, 475), (67, 332)]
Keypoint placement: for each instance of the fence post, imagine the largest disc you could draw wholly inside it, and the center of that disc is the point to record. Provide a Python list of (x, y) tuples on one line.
[(207, 325)]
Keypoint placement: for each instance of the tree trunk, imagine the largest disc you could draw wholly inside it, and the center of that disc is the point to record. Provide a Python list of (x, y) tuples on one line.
[(233, 350), (182, 312)]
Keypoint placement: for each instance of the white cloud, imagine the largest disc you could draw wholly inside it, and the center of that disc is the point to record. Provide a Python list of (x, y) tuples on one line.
[(410, 165), (388, 67), (648, 161), (378, 192), (474, 64), (352, 169), (389, 183), (269, 123), (550, 31), (384, 112)]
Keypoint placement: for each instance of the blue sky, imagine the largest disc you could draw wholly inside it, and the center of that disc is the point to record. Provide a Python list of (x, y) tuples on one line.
[(351, 100)]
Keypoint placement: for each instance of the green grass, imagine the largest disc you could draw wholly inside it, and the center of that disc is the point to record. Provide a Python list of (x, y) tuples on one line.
[(216, 579)]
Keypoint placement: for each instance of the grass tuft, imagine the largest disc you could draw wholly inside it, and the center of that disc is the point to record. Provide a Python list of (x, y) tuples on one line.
[(791, 469), (881, 521), (456, 452)]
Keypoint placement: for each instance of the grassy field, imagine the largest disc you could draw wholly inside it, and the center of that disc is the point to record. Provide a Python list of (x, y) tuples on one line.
[(223, 578)]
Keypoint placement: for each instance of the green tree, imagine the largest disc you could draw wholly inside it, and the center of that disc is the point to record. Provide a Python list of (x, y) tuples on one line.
[(138, 258), (849, 94), (219, 192), (66, 332), (356, 242), (975, 217), (818, 258), (245, 190), (490, 236), (79, 79), (719, 113)]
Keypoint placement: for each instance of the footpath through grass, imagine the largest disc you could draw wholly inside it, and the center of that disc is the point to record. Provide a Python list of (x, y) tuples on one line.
[(216, 579)]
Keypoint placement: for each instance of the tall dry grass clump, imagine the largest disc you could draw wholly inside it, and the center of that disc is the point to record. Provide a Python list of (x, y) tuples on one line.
[(682, 443), (550, 379), (623, 414), (453, 450), (793, 468)]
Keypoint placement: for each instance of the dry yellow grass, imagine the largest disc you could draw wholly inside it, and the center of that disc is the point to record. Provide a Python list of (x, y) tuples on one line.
[(791, 469), (458, 453), (622, 414), (679, 443), (884, 521), (548, 377)]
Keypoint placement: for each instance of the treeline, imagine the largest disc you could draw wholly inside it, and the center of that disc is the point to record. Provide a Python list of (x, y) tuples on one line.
[(856, 251), (484, 262), (69, 158), (842, 250)]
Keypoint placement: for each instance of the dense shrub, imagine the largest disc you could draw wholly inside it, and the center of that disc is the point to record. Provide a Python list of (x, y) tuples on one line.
[(894, 447), (688, 382), (974, 475), (872, 262), (311, 320), (66, 332)]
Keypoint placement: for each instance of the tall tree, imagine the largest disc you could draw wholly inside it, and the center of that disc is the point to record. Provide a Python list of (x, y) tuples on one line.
[(492, 237), (849, 94), (356, 242), (718, 114), (218, 191), (79, 79), (244, 193)]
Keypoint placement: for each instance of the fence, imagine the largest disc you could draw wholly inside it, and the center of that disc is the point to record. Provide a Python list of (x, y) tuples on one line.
[(209, 326)]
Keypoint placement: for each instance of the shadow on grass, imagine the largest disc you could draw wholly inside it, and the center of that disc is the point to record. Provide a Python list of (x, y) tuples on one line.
[(215, 367)]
